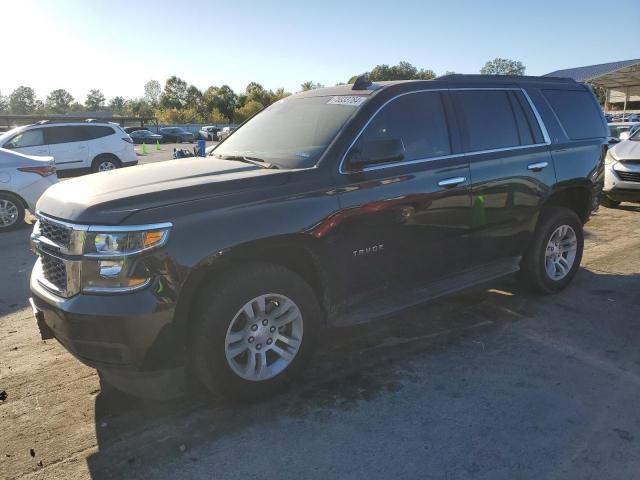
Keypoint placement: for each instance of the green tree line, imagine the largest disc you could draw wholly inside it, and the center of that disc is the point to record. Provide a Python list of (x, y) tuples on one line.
[(179, 102)]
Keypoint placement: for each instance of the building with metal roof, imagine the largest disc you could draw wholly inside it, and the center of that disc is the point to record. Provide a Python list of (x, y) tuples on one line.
[(621, 80)]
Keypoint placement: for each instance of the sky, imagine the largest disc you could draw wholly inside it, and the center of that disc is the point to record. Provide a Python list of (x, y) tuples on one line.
[(117, 46)]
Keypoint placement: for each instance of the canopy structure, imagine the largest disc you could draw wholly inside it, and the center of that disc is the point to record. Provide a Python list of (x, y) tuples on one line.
[(621, 80), (9, 121)]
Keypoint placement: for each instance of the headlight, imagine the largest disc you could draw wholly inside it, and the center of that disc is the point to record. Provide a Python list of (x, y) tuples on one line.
[(112, 262), (609, 159)]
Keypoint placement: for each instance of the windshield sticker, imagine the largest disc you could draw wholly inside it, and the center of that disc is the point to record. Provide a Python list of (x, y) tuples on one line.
[(351, 101)]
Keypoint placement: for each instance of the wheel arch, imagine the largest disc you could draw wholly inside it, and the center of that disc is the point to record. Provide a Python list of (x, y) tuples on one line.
[(299, 253), (105, 155), (577, 197), (16, 196)]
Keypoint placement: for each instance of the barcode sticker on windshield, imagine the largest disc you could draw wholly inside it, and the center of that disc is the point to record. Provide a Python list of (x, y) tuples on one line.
[(352, 101)]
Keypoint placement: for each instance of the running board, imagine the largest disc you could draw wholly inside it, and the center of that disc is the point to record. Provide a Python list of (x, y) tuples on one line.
[(378, 306)]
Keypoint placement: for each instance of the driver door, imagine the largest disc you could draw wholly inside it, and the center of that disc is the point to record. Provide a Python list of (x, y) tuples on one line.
[(405, 221)]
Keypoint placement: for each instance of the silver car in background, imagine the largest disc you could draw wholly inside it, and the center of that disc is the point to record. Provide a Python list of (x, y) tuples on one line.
[(622, 172), (23, 179)]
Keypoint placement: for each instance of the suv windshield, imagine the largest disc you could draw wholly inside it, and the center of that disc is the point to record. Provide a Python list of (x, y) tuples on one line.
[(291, 133)]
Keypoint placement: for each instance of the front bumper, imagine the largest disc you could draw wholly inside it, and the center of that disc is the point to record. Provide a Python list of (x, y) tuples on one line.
[(618, 189), (127, 333)]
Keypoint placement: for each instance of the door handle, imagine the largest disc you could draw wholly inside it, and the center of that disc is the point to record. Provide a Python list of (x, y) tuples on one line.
[(536, 167), (451, 182)]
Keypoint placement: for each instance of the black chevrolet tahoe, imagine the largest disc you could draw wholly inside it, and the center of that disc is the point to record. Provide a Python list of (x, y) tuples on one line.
[(330, 207)]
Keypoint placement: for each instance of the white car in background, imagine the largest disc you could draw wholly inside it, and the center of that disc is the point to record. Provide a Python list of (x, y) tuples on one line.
[(23, 179), (622, 172), (77, 147)]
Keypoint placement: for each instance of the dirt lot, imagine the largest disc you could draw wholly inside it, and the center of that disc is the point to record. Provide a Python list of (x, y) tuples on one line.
[(494, 383)]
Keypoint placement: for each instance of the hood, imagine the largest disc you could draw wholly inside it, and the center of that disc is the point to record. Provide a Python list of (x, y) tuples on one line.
[(107, 198), (627, 150)]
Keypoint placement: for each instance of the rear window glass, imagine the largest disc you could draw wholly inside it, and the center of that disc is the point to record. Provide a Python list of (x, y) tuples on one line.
[(488, 120), (578, 113), (65, 134), (98, 132)]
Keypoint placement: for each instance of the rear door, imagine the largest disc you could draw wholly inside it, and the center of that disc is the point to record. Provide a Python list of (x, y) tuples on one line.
[(403, 224), (511, 169), (68, 146)]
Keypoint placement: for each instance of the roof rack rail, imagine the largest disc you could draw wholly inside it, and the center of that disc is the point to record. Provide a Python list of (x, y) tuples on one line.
[(42, 122), (361, 83)]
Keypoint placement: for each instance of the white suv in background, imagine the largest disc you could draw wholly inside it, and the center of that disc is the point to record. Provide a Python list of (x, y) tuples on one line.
[(75, 146)]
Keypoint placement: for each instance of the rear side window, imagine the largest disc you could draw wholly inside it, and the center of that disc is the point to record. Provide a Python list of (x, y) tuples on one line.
[(97, 131), (577, 112), (66, 134), (487, 119), (417, 119)]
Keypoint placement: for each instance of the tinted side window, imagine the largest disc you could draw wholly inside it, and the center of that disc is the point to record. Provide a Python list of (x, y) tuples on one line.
[(417, 119), (28, 138), (93, 132), (487, 119), (578, 113), (65, 134)]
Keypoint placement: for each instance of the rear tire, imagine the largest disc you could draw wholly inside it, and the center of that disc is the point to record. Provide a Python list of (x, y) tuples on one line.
[(607, 202), (11, 212), (263, 312), (555, 252)]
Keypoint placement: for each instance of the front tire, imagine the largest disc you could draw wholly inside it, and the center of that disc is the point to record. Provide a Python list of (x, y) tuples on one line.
[(555, 253), (255, 331), (11, 212)]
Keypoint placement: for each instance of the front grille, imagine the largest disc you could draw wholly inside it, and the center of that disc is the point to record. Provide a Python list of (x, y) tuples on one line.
[(59, 234), (629, 176), (54, 271)]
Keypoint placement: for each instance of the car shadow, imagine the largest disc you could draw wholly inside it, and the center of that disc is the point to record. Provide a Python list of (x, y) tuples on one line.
[(17, 261), (353, 365)]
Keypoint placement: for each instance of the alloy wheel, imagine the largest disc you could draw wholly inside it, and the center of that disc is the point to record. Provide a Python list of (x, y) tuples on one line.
[(561, 251), (106, 165), (8, 213), (264, 337)]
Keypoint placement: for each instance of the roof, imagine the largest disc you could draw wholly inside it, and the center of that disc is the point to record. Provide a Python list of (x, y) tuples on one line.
[(346, 89), (625, 73)]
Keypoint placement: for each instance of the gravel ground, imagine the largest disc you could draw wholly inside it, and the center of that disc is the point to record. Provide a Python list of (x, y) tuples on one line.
[(493, 383)]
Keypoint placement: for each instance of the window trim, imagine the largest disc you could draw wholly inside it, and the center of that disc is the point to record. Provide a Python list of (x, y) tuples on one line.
[(541, 125)]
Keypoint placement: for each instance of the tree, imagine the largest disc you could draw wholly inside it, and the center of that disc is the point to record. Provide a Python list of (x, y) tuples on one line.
[(116, 104), (138, 108), (216, 116), (174, 94), (95, 100), (22, 100), (256, 93), (401, 71), (4, 104), (503, 66), (76, 107), (152, 92), (58, 101), (222, 99), (193, 98), (250, 108), (310, 86)]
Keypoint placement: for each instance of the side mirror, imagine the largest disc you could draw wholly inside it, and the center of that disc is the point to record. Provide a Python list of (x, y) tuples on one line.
[(377, 151), (625, 135), (9, 146)]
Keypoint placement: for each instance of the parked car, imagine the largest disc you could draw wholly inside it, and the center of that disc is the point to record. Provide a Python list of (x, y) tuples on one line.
[(23, 179), (209, 132), (622, 172), (225, 132), (77, 147), (330, 207), (622, 130), (177, 135), (145, 136), (130, 130)]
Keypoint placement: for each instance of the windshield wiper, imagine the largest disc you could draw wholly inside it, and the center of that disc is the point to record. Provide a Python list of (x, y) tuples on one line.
[(252, 160)]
